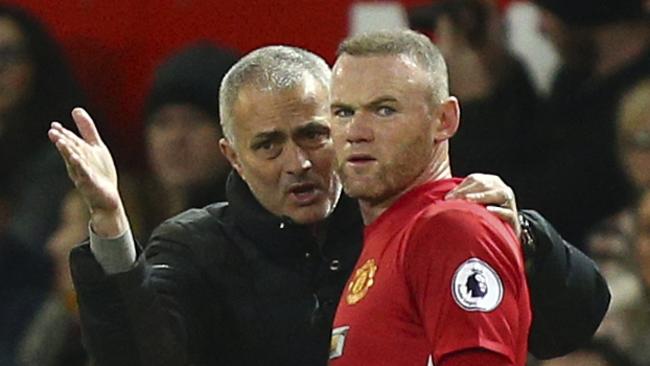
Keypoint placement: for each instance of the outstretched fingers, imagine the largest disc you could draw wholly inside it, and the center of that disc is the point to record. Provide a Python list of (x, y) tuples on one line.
[(69, 136), (86, 126), (71, 153)]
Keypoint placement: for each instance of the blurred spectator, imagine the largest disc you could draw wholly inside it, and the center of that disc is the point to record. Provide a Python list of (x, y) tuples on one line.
[(641, 348), (23, 284), (616, 243), (559, 153), (599, 352), (616, 234), (605, 50), (36, 87), (182, 132), (633, 132), (54, 338), (625, 322), (497, 95)]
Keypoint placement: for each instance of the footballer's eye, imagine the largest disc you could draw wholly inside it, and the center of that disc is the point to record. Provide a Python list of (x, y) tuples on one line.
[(385, 111)]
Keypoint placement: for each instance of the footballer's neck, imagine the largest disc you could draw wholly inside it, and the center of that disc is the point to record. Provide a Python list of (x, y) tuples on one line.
[(372, 209)]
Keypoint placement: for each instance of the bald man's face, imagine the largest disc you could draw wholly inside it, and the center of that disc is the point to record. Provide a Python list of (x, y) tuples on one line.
[(284, 151)]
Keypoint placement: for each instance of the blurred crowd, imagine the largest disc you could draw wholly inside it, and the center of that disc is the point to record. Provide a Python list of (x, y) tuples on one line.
[(579, 153)]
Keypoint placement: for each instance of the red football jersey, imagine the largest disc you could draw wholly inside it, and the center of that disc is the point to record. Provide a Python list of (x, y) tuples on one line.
[(434, 277)]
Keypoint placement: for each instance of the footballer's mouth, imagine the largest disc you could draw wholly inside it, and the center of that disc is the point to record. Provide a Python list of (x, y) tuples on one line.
[(359, 159)]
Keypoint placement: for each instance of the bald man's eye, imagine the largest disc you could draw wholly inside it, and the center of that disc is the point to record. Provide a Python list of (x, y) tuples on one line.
[(343, 112), (267, 149), (314, 137), (266, 145), (317, 135)]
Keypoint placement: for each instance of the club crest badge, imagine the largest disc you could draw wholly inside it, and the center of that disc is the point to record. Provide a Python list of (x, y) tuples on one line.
[(476, 286), (364, 278)]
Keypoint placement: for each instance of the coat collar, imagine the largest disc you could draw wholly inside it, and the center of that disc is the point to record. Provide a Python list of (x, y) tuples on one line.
[(280, 236)]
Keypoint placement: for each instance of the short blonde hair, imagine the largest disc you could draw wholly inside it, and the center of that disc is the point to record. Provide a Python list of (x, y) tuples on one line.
[(414, 45)]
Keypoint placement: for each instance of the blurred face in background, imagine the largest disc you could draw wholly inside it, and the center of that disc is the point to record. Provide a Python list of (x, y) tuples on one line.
[(16, 71), (635, 150), (183, 146)]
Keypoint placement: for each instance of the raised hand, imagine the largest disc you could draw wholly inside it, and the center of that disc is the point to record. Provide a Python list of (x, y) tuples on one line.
[(92, 170), (489, 190)]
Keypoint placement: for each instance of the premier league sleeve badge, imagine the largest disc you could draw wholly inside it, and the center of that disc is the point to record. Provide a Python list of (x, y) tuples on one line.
[(476, 286)]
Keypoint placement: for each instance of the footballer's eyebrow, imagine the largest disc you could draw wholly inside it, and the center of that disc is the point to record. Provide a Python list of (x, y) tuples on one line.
[(264, 137), (381, 100), (373, 103)]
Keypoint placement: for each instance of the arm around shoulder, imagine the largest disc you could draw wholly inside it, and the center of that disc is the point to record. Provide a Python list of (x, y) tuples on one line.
[(569, 296)]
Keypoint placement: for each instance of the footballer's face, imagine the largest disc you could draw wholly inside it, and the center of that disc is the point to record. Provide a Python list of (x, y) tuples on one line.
[(387, 128)]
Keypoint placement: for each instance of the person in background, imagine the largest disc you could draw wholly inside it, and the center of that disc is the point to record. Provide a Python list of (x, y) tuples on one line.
[(182, 133), (615, 243), (617, 233), (557, 151), (605, 51), (36, 86), (497, 94), (24, 282), (54, 336)]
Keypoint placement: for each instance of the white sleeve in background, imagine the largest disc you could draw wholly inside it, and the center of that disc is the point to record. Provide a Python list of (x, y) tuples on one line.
[(116, 254)]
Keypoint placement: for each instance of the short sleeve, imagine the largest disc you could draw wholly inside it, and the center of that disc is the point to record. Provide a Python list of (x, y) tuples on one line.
[(465, 271)]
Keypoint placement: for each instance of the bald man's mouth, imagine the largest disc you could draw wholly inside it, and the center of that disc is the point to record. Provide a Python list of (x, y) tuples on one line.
[(304, 194)]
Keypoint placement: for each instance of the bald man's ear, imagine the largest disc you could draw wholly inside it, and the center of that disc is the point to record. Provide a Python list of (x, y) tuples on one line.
[(231, 155), (448, 114)]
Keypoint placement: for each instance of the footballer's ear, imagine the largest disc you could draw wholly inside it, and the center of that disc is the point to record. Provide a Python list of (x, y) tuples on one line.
[(448, 115), (231, 154)]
